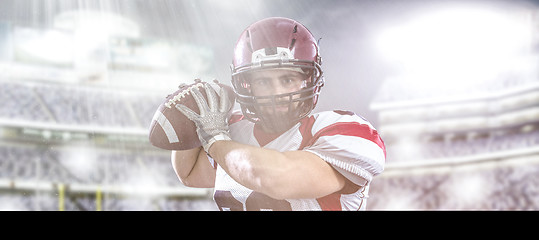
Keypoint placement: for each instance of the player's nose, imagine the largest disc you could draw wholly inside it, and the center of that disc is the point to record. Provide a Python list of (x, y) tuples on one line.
[(278, 88)]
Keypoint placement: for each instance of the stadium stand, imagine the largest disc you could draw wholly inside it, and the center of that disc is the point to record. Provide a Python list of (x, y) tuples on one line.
[(493, 186), (467, 148), (125, 171), (423, 182)]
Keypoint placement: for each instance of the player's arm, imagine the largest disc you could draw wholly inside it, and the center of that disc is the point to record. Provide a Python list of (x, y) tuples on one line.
[(296, 174), (193, 168), (280, 175)]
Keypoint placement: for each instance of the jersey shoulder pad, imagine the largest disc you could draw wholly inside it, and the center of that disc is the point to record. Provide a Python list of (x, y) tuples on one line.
[(327, 118)]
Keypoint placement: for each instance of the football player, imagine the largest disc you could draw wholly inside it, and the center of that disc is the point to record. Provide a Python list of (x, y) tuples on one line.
[(275, 154)]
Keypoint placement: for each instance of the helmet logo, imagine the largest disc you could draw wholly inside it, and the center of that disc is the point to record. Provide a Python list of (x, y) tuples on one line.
[(271, 53)]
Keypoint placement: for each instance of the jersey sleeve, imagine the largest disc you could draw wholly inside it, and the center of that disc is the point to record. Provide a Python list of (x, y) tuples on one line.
[(349, 143)]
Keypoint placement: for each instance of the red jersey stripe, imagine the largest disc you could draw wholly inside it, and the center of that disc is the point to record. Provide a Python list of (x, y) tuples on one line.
[(347, 129), (235, 118)]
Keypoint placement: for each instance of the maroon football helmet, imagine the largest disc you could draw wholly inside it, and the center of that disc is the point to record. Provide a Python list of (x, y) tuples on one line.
[(271, 43)]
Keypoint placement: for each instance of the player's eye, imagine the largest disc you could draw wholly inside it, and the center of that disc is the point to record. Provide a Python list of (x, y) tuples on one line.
[(287, 81), (259, 82)]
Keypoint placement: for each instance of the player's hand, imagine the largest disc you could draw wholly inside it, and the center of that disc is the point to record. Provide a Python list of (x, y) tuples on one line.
[(212, 122)]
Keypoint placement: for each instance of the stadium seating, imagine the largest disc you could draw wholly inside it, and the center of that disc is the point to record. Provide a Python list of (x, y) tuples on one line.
[(502, 186), (499, 187)]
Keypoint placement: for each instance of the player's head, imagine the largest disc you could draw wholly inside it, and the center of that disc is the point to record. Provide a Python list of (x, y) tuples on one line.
[(276, 72)]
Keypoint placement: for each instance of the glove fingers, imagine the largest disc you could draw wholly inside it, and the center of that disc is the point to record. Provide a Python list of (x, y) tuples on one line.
[(212, 97), (187, 112), (225, 104), (201, 102)]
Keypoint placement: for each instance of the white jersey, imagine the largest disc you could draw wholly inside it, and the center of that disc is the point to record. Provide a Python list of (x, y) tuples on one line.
[(346, 141)]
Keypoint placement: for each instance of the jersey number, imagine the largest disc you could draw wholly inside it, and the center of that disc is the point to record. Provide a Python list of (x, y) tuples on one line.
[(255, 202)]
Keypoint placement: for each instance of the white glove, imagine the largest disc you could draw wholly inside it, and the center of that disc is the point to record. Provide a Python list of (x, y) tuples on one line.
[(212, 122)]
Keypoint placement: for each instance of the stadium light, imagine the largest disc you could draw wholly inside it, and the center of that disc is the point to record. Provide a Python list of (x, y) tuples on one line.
[(469, 190), (92, 29), (458, 43), (51, 45), (80, 160)]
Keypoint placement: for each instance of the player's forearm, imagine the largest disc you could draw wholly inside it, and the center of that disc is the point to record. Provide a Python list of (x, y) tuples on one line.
[(256, 168), (192, 168), (184, 161), (280, 175)]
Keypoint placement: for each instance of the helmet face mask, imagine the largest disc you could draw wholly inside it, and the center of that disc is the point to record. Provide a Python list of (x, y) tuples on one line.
[(277, 43), (281, 111)]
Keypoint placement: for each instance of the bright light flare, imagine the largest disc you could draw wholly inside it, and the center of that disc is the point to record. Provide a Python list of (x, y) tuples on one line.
[(55, 46), (472, 42), (80, 161), (407, 150), (468, 190)]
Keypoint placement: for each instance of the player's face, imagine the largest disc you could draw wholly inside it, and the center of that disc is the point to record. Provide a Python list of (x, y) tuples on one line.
[(275, 82), (274, 103)]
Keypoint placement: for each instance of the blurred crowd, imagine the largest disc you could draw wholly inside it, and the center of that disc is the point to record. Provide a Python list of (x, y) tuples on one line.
[(496, 184)]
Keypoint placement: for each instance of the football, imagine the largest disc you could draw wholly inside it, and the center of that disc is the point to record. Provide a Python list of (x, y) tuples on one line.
[(169, 128)]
